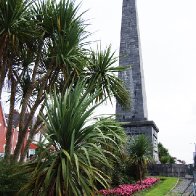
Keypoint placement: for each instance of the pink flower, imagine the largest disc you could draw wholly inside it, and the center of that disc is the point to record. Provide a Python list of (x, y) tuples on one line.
[(129, 189)]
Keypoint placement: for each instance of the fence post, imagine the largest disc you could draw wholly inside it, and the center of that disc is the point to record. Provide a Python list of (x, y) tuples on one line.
[(194, 182)]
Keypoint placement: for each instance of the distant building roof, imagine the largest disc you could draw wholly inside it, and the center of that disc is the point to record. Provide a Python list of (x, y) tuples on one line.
[(32, 146)]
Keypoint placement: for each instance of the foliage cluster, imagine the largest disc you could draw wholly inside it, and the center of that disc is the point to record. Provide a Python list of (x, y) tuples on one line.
[(133, 165), (164, 155), (81, 150), (140, 155), (80, 157), (121, 173), (10, 178)]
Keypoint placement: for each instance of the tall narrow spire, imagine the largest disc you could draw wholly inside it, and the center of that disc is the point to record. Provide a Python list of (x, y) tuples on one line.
[(130, 55), (134, 118)]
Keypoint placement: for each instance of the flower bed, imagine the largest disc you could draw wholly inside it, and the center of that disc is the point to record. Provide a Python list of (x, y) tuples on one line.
[(129, 189)]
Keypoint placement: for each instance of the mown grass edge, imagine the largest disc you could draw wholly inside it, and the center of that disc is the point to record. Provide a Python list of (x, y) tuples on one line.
[(173, 186)]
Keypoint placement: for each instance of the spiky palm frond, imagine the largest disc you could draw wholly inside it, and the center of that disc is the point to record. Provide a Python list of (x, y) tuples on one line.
[(16, 24), (140, 149), (71, 169), (64, 34), (140, 153), (17, 29), (101, 73)]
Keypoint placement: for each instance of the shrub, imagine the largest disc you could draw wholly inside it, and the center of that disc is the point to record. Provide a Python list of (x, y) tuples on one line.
[(10, 180), (80, 148), (121, 174), (140, 154)]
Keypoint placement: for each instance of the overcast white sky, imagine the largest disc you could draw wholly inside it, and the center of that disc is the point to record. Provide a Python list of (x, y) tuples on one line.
[(168, 40)]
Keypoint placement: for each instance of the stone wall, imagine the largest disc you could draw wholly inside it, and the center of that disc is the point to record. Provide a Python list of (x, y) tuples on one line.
[(172, 170)]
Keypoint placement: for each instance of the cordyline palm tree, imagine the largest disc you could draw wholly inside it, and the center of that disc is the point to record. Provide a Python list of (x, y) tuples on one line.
[(40, 43), (76, 147), (140, 153), (16, 31), (59, 58), (16, 28), (44, 44)]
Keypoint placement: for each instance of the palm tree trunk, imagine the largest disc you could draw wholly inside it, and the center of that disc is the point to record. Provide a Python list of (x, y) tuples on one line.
[(10, 120), (2, 75), (33, 131), (140, 174), (22, 130), (20, 142), (22, 134), (26, 148), (24, 127), (3, 44)]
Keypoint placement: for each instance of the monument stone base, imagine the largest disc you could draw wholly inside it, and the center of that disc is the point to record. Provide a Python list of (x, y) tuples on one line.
[(146, 127)]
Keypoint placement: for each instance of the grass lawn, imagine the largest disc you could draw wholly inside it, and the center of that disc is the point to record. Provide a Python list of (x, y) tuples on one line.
[(161, 188)]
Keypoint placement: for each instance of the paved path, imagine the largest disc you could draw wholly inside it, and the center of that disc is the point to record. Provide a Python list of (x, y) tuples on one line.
[(183, 188)]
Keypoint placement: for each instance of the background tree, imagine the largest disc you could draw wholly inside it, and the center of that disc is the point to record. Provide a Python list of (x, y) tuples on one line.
[(164, 155)]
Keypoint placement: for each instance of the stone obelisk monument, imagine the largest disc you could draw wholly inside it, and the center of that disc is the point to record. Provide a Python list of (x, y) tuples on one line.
[(135, 119)]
